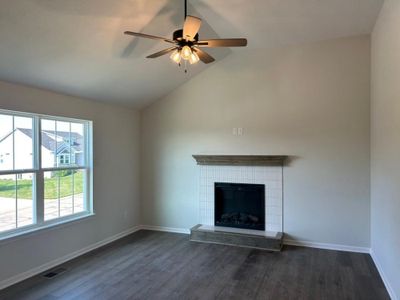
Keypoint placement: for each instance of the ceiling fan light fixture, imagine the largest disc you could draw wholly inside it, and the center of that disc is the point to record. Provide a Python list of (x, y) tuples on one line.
[(186, 44), (186, 52), (194, 58), (176, 56)]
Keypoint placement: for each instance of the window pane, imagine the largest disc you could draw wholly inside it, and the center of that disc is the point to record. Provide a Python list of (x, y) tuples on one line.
[(6, 143), (79, 183), (23, 142), (24, 199), (77, 144), (16, 201), (62, 144), (51, 198), (63, 191), (7, 203), (66, 192), (49, 143)]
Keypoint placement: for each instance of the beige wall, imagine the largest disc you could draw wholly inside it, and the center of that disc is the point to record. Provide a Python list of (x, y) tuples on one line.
[(385, 144), (116, 171), (310, 102)]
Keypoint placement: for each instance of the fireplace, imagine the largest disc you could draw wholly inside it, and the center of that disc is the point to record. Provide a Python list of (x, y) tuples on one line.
[(239, 205)]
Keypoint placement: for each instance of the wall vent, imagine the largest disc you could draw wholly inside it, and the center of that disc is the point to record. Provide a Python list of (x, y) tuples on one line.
[(54, 273)]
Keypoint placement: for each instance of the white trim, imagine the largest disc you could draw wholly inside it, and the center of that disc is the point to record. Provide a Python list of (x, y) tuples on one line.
[(326, 246), (50, 117), (165, 229), (38, 170), (385, 280), (35, 271)]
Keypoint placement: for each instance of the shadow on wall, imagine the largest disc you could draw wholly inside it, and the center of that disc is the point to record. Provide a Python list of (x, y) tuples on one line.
[(290, 160)]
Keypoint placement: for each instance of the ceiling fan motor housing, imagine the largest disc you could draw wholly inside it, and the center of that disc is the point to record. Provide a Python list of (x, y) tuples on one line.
[(178, 36)]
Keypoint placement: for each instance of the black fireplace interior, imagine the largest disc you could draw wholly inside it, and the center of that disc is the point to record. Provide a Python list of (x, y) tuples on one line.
[(240, 205)]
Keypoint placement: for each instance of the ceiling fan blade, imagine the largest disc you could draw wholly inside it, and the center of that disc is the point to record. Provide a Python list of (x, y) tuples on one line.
[(204, 56), (161, 53), (148, 36), (223, 43), (191, 27)]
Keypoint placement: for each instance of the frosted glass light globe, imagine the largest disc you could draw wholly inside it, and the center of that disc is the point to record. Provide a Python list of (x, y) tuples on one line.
[(186, 52)]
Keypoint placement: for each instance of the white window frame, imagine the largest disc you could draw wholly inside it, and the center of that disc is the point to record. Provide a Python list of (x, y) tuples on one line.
[(38, 175)]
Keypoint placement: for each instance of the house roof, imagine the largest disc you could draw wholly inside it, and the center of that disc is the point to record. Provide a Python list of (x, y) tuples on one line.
[(49, 142)]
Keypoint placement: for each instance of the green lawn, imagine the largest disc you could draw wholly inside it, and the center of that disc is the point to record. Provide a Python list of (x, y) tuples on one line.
[(7, 187)]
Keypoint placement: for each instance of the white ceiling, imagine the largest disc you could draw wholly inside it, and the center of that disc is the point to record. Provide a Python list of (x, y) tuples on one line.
[(77, 47)]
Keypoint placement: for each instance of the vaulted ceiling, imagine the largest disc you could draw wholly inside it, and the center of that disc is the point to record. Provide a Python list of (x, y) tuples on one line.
[(76, 47)]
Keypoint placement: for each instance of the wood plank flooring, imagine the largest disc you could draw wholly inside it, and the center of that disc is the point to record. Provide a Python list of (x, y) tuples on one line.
[(156, 265)]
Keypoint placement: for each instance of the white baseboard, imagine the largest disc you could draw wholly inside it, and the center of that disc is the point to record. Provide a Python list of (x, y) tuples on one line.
[(326, 246), (385, 280), (165, 229), (35, 271)]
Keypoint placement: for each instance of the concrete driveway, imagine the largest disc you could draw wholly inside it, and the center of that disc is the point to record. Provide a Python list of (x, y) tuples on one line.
[(19, 213)]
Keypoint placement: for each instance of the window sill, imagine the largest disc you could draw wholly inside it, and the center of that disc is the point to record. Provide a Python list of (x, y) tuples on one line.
[(29, 231)]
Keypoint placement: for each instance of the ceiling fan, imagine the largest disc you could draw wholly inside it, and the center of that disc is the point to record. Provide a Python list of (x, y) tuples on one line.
[(186, 43)]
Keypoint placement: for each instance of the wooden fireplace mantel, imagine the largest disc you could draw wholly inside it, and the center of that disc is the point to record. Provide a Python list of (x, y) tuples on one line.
[(241, 160)]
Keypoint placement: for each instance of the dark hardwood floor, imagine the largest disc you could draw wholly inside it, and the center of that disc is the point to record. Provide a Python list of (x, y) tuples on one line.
[(155, 265)]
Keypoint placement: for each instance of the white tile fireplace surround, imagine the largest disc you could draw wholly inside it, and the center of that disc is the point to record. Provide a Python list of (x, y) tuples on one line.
[(270, 176)]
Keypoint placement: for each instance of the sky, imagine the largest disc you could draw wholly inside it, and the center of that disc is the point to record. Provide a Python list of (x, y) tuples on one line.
[(6, 123)]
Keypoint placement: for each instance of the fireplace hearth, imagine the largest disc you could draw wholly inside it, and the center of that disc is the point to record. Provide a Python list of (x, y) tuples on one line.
[(240, 205)]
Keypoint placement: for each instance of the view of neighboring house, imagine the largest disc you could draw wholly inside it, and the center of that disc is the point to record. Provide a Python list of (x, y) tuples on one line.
[(58, 149)]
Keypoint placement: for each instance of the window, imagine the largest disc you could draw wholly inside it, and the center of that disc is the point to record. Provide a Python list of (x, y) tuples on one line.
[(64, 159), (45, 171)]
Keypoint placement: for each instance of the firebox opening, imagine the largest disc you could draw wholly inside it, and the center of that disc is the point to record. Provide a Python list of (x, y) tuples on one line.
[(239, 205)]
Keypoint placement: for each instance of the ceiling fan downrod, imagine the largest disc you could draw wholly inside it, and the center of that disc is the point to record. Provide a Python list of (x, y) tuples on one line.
[(185, 9)]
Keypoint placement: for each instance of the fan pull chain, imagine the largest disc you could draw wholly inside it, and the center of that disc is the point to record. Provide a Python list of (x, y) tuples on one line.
[(180, 65)]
